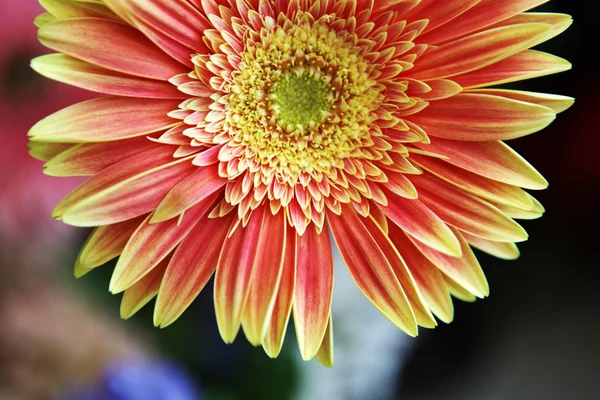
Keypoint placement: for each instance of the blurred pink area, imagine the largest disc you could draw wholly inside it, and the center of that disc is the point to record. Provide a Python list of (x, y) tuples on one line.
[(27, 196)]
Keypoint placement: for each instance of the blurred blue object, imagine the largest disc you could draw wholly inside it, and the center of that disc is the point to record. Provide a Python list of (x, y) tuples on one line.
[(141, 380)]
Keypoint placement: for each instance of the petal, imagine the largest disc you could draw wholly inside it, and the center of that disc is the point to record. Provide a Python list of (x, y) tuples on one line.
[(92, 158), (494, 160), (506, 251), (524, 65), (150, 244), (482, 117), (428, 277), (195, 188), (483, 14), (138, 295), (555, 102), (273, 340), (268, 269), (439, 13), (467, 212), (234, 275), (192, 265), (420, 222), (105, 243), (105, 119), (477, 51), (475, 184), (72, 71), (111, 45), (64, 9), (176, 19), (313, 290), (415, 299), (325, 353), (122, 191), (465, 270), (371, 270), (45, 151)]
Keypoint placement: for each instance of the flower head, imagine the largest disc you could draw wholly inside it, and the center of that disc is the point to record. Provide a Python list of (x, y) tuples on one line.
[(240, 133)]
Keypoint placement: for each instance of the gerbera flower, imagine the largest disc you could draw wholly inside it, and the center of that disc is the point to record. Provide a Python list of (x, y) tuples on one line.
[(240, 134)]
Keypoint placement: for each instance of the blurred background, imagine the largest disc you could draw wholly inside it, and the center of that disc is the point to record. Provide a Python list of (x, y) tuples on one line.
[(536, 337)]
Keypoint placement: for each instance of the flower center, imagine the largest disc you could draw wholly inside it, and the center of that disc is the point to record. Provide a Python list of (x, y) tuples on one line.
[(301, 100)]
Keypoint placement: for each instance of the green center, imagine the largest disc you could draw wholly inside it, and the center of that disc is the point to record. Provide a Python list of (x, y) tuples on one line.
[(301, 100)]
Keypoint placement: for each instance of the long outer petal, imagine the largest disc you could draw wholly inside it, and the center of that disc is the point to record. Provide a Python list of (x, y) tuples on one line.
[(325, 353), (422, 223), (67, 69), (104, 243), (465, 270), (371, 270), (102, 200), (494, 160), (485, 13), (428, 277), (202, 183), (524, 65), (477, 51), (150, 244), (475, 184), (190, 269), (144, 290), (273, 340), (105, 119), (313, 291), (87, 159), (268, 269), (405, 278), (482, 117), (467, 212), (111, 45), (234, 275)]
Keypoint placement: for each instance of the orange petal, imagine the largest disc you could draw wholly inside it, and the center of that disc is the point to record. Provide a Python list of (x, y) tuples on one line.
[(465, 270), (111, 45), (273, 340), (484, 14), (105, 119), (130, 188), (428, 277), (150, 244), (422, 223), (477, 51), (555, 102), (467, 212), (195, 188), (92, 158), (77, 9), (105, 243), (234, 275), (416, 302), (475, 184), (439, 13), (268, 269), (524, 65), (506, 251), (138, 295), (45, 151), (482, 117), (190, 269), (371, 270), (494, 160), (325, 353), (72, 71), (313, 289)]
